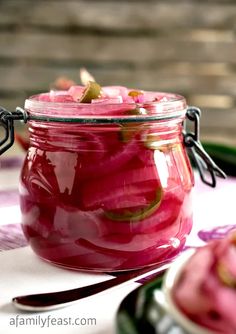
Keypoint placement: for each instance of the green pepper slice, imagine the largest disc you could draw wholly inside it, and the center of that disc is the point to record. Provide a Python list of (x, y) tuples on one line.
[(91, 92), (225, 276), (139, 214), (129, 130)]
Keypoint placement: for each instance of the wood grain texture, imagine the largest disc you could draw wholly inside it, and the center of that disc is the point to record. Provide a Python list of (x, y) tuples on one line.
[(118, 16), (184, 46), (38, 78), (137, 51)]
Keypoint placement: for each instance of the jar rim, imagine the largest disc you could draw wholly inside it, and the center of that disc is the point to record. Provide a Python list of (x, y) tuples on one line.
[(174, 106)]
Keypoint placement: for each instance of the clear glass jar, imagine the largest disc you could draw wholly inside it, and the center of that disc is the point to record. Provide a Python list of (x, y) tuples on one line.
[(106, 193)]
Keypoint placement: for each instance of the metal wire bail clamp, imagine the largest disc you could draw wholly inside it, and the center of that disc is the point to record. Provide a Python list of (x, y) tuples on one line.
[(7, 119), (202, 160)]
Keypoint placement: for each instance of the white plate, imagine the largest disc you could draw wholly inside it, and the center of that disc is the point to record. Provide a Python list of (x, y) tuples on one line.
[(170, 280)]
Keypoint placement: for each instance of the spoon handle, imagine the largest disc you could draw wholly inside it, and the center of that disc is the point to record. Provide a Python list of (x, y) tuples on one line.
[(59, 299)]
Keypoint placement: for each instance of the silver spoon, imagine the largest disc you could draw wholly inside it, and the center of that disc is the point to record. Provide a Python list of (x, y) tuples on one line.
[(54, 300)]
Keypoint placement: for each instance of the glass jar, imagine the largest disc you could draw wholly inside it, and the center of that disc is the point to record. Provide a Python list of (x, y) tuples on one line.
[(106, 193)]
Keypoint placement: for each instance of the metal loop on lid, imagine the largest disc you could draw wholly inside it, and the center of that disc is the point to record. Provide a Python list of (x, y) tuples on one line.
[(7, 119), (202, 160), (7, 123), (23, 112)]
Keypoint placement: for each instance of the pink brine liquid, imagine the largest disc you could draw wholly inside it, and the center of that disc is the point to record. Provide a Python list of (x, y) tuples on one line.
[(105, 197)]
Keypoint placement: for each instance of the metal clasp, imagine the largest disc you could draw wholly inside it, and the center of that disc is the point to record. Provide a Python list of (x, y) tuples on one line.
[(203, 161), (7, 119)]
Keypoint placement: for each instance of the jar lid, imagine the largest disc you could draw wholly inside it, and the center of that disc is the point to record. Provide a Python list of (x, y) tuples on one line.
[(157, 106)]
